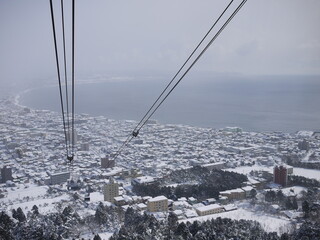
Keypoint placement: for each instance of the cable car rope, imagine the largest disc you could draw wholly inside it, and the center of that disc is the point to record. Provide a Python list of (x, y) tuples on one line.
[(194, 62), (58, 72), (69, 138), (65, 71), (145, 118), (73, 27)]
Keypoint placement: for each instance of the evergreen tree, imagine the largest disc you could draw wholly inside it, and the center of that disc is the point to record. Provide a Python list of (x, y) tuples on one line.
[(253, 193), (294, 204), (288, 204), (172, 221), (14, 214), (305, 208), (130, 217), (280, 196), (20, 215), (308, 230), (100, 215), (97, 237), (270, 196), (35, 210), (183, 231), (67, 211), (6, 226), (285, 236)]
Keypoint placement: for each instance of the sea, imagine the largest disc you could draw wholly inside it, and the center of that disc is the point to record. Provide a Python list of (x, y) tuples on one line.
[(255, 103)]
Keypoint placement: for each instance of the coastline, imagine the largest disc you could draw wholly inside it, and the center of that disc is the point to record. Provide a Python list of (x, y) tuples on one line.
[(192, 122)]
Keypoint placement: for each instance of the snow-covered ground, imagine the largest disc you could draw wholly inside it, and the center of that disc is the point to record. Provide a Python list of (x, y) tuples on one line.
[(45, 206), (103, 235), (96, 197), (296, 190), (22, 192), (26, 198), (269, 223), (247, 169), (308, 173)]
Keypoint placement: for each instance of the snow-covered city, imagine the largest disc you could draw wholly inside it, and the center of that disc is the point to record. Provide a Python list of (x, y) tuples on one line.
[(159, 120), (175, 177)]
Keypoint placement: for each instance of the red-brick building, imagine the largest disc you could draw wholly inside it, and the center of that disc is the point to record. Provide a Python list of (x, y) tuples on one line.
[(280, 175)]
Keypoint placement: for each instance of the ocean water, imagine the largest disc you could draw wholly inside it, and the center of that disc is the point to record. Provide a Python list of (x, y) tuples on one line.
[(278, 103)]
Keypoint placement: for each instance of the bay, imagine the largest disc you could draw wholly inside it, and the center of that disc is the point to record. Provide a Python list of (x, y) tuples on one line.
[(265, 103)]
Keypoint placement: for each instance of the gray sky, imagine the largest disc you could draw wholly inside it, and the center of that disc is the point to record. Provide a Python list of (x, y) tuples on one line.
[(266, 37)]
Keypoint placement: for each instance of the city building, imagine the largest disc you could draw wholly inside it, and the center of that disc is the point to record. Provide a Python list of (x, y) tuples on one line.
[(209, 209), (289, 169), (143, 180), (232, 194), (247, 190), (158, 204), (142, 207), (280, 175), (84, 147), (6, 174), (216, 165), (111, 190), (58, 178), (304, 145), (119, 201), (107, 163)]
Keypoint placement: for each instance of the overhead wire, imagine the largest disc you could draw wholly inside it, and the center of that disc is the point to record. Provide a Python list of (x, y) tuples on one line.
[(73, 78), (195, 61), (148, 115), (69, 134), (58, 72), (65, 71), (183, 65)]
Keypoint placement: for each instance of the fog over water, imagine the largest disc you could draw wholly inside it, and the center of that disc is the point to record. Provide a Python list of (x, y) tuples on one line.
[(269, 103)]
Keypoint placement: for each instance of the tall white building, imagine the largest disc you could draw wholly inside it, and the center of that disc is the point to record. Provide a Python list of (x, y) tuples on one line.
[(111, 190)]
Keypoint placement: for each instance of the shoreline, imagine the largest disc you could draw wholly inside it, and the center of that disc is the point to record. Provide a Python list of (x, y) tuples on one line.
[(17, 101)]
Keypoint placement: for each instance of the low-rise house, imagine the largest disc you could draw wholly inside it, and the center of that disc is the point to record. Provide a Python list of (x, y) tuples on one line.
[(223, 199), (143, 180), (234, 194), (58, 178), (215, 165), (229, 207), (209, 201), (119, 201), (190, 213), (180, 205), (192, 200), (142, 207), (274, 208), (247, 190), (179, 214), (293, 214), (209, 209), (258, 184)]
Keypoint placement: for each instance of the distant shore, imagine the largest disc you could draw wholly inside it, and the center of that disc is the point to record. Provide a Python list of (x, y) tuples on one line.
[(262, 108)]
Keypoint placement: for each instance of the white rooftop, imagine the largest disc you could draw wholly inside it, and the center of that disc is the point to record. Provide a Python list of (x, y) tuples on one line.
[(159, 198), (209, 207)]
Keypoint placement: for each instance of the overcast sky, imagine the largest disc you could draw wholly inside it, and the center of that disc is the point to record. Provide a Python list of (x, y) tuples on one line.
[(266, 37)]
